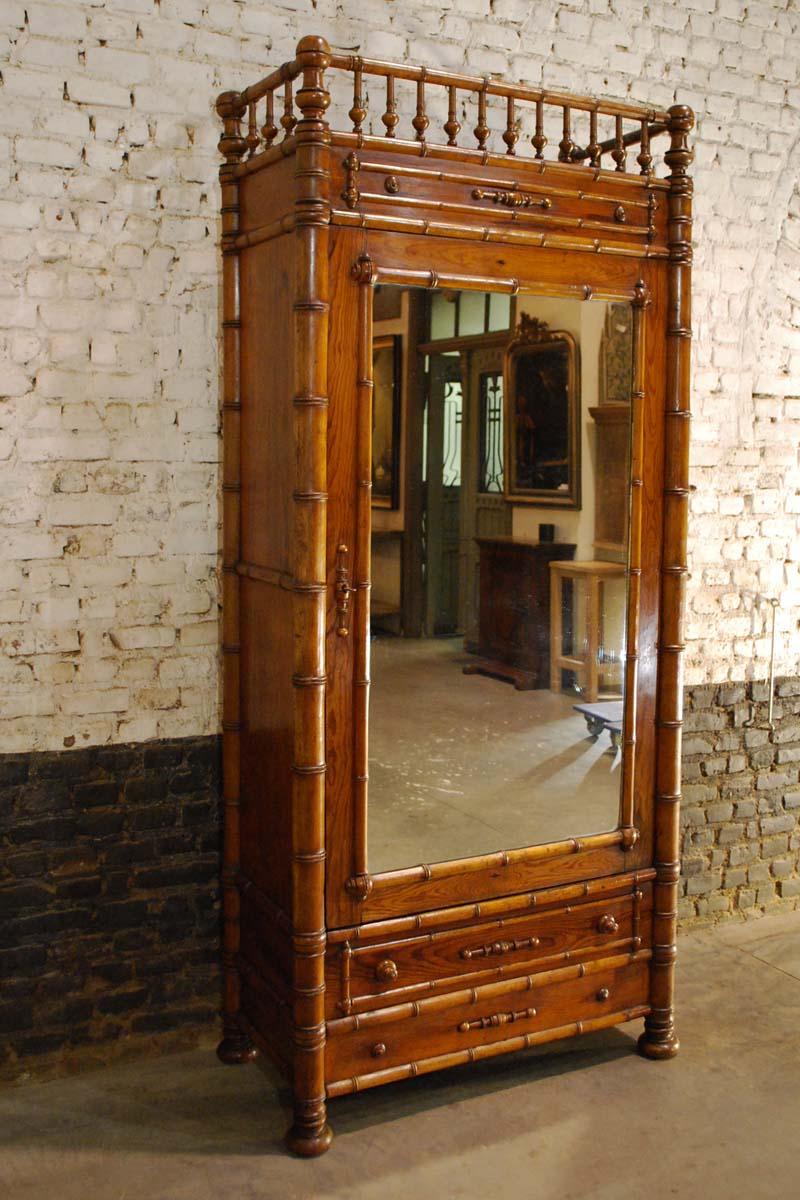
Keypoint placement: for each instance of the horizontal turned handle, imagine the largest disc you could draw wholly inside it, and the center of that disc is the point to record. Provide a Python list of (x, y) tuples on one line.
[(494, 948), (501, 1018), (513, 199)]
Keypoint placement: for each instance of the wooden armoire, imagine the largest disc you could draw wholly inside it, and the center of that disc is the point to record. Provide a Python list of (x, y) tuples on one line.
[(344, 977)]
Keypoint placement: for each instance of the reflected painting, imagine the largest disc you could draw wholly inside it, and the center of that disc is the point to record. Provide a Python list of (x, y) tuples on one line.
[(542, 395)]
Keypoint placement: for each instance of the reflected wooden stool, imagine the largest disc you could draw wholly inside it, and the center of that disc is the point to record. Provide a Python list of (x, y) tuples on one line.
[(594, 575)]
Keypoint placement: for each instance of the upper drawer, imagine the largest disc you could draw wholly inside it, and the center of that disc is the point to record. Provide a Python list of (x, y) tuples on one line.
[(521, 202), (373, 975)]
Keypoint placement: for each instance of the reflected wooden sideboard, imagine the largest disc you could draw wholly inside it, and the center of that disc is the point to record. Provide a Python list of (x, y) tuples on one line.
[(514, 610)]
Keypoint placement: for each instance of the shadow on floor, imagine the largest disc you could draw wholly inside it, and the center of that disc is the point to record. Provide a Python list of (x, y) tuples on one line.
[(244, 1111)]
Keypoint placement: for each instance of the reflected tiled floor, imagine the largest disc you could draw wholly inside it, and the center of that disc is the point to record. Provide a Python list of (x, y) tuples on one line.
[(582, 1120), (465, 764)]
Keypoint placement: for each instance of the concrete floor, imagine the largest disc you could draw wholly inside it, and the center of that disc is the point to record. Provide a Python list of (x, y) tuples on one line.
[(584, 1119), (465, 764)]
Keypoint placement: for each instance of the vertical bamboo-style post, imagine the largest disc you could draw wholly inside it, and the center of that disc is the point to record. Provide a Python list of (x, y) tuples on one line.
[(641, 299), (310, 1134), (593, 149), (481, 130), (269, 130), (358, 112), (235, 1047), (359, 885), (421, 120), (539, 140), (288, 119), (566, 145), (390, 117), (510, 133), (618, 153), (452, 125), (644, 158), (659, 1039)]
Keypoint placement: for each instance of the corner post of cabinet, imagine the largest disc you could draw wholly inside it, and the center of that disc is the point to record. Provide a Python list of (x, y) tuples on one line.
[(659, 1039), (310, 1135), (235, 1046)]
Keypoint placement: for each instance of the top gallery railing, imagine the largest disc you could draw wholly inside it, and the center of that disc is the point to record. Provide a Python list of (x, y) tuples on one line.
[(632, 124)]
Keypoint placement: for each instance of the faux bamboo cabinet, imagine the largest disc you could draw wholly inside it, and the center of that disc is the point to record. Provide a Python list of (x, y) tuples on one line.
[(349, 979)]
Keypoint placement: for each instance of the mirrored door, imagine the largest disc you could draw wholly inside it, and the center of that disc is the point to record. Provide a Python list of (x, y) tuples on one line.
[(502, 725)]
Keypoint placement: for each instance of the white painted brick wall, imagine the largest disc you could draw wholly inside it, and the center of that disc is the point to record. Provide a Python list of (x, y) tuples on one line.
[(109, 319)]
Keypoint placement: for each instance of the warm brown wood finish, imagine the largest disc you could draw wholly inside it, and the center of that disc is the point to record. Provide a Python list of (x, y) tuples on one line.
[(350, 979)]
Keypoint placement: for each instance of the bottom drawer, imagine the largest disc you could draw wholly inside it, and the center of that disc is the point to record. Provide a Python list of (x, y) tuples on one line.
[(441, 1031)]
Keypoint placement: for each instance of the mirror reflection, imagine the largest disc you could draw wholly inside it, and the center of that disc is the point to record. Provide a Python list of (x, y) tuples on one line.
[(498, 571)]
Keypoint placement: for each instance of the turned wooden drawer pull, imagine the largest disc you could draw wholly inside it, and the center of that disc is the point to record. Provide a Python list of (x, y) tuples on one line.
[(386, 971), (493, 948), (378, 1050), (496, 1019), (608, 923), (602, 995)]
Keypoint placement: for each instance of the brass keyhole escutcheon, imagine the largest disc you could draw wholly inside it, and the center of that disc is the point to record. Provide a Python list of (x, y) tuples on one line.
[(603, 995), (386, 971), (608, 923)]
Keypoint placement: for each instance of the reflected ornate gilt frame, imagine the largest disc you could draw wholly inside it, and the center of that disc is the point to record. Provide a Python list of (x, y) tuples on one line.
[(534, 339)]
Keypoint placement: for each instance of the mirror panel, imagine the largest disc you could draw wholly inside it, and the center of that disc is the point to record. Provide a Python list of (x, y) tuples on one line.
[(498, 618)]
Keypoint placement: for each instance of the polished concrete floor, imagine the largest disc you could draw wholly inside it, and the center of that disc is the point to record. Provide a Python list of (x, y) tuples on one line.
[(465, 764), (584, 1120)]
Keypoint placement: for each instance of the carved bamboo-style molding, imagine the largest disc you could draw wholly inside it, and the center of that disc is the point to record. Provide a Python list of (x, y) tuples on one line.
[(641, 299), (659, 1039), (310, 1134), (235, 1045), (504, 907), (648, 123), (515, 233), (473, 1054), (430, 174), (412, 991), (477, 995)]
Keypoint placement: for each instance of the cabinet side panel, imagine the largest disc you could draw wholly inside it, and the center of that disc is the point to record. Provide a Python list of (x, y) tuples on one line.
[(267, 339)]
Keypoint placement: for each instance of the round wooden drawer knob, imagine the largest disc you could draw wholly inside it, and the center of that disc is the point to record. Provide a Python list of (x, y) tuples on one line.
[(608, 923), (386, 971), (603, 995), (378, 1050)]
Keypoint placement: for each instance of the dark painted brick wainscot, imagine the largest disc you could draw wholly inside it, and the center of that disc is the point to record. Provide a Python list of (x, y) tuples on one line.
[(109, 898), (110, 857)]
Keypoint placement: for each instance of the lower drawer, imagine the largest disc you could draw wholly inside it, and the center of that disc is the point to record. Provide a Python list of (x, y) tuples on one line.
[(439, 1031)]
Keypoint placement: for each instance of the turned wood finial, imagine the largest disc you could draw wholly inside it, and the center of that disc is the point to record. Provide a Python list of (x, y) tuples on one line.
[(231, 145), (313, 57), (679, 156)]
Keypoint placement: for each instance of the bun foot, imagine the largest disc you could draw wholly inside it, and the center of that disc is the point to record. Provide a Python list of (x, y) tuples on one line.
[(236, 1050), (662, 1048), (307, 1144)]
